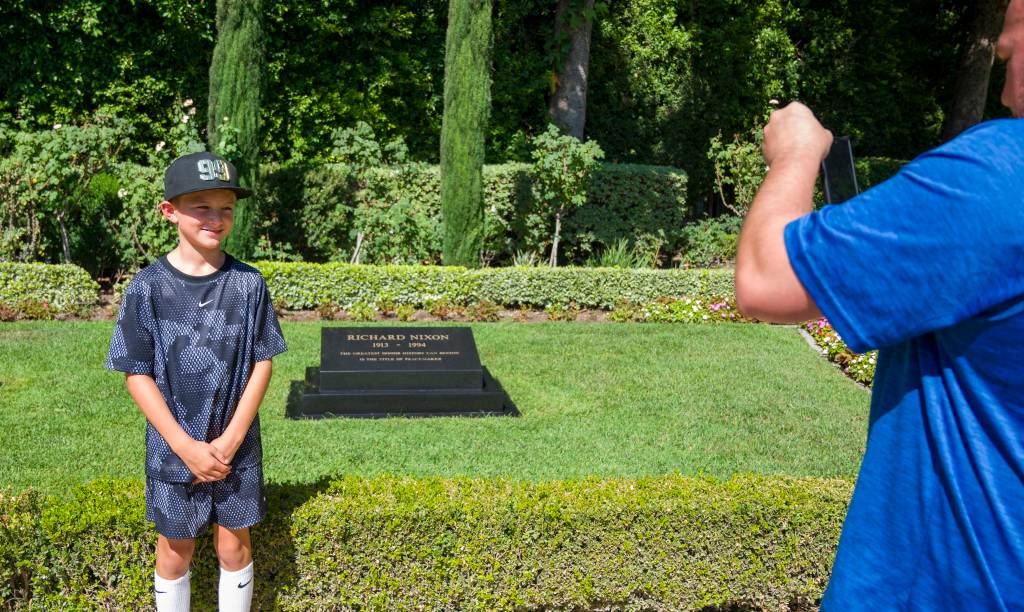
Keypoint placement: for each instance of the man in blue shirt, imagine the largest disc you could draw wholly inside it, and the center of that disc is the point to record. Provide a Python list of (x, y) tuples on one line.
[(929, 268)]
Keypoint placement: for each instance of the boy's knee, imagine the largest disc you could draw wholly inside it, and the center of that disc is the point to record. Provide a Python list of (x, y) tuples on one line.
[(234, 550), (173, 557)]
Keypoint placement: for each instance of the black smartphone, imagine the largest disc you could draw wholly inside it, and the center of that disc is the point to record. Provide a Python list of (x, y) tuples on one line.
[(838, 174)]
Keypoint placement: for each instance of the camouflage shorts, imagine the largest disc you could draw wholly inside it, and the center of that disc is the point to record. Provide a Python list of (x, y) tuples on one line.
[(183, 511)]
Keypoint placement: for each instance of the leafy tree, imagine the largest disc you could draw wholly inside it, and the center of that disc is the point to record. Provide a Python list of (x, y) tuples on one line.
[(467, 105), (45, 178), (561, 171), (236, 82)]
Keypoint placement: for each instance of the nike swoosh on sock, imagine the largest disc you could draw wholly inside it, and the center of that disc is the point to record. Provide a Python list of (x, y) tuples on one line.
[(159, 591), (242, 585)]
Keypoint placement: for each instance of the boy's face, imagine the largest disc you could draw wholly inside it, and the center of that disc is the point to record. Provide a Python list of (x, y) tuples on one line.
[(204, 218)]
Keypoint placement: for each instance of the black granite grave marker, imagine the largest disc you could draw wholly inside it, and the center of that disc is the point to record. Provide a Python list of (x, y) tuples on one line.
[(400, 371)]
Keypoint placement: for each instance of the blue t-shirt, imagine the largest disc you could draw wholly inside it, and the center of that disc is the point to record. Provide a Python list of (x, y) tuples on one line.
[(929, 268), (198, 337)]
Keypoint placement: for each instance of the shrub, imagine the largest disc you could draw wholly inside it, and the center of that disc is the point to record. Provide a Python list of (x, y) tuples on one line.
[(484, 310), (8, 313), (687, 310), (874, 170), (45, 179), (302, 285), (36, 310), (443, 309), (739, 169), (754, 542), (328, 310), (561, 171), (619, 255), (361, 311), (558, 312), (315, 212), (63, 288), (20, 539), (661, 543), (405, 312), (710, 242), (597, 287)]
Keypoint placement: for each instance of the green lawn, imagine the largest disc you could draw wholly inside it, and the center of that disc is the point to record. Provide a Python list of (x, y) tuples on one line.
[(596, 399)]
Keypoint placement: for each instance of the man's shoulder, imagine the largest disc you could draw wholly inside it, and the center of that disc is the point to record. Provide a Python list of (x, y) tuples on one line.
[(995, 137), (987, 157)]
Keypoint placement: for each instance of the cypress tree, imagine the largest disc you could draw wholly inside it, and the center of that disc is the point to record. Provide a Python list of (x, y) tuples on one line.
[(236, 82), (467, 104)]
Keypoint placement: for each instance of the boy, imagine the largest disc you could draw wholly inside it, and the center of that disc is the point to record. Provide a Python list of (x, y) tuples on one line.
[(194, 336)]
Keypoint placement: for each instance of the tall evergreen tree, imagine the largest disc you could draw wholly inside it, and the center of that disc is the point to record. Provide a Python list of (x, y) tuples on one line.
[(236, 83), (467, 105)]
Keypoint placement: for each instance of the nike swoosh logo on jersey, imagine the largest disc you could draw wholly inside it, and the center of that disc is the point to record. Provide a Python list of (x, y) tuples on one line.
[(159, 591), (242, 585), (201, 304)]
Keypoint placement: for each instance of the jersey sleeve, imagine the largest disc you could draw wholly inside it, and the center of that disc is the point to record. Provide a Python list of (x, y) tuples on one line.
[(131, 347), (938, 243), (269, 339)]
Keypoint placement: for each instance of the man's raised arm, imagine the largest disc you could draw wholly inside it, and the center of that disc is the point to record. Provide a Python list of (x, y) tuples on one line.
[(766, 286)]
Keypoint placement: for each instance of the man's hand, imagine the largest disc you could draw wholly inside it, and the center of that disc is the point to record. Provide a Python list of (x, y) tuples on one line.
[(206, 462), (793, 134)]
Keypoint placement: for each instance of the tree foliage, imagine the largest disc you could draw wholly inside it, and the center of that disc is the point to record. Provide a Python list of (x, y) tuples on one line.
[(467, 106), (665, 75), (236, 83), (562, 169)]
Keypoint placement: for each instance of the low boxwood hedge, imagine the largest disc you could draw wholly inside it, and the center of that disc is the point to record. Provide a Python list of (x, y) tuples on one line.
[(63, 287), (666, 543), (304, 285)]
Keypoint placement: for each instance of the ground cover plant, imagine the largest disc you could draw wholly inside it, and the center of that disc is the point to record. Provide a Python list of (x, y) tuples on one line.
[(626, 400), (858, 366)]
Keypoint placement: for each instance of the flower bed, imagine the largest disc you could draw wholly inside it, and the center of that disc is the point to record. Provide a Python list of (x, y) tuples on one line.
[(858, 366)]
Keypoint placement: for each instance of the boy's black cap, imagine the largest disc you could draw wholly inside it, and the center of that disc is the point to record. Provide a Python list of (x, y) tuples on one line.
[(199, 172)]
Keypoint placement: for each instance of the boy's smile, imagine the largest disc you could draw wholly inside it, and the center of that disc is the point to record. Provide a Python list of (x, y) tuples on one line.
[(204, 218)]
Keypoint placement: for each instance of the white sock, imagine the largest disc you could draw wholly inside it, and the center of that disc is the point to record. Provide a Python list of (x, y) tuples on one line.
[(172, 595), (235, 593)]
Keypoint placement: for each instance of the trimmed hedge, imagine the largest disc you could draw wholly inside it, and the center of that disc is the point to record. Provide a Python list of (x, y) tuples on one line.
[(305, 285), (666, 543), (64, 287)]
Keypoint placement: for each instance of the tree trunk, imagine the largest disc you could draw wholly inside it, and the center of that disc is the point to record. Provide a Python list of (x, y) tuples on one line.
[(985, 18), (236, 82), (64, 242), (568, 104), (553, 261), (467, 107)]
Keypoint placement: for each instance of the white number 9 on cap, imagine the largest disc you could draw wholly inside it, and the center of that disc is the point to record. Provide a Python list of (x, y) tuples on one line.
[(213, 169)]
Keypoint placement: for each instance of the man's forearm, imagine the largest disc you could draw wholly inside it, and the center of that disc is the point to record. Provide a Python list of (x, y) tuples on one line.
[(766, 285)]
